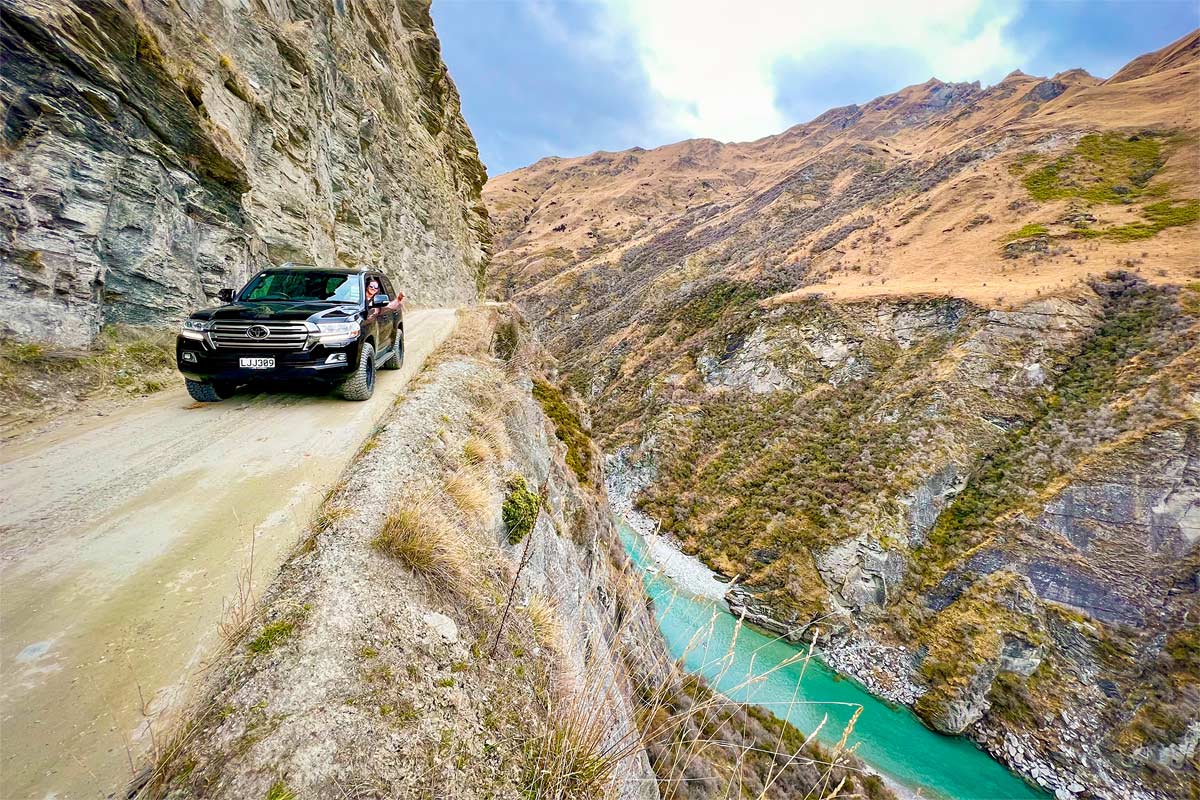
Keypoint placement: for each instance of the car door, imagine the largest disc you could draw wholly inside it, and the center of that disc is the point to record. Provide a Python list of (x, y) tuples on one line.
[(382, 326), (394, 312)]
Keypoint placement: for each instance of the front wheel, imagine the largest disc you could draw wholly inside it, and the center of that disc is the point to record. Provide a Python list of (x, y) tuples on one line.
[(206, 392), (361, 383)]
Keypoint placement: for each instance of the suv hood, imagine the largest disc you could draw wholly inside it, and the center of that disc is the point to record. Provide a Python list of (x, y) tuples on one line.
[(282, 310)]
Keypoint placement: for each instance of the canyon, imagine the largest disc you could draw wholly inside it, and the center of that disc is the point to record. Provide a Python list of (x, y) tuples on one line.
[(918, 379), (920, 375)]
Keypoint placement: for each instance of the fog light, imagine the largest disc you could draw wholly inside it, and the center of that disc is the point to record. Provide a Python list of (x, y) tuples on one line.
[(189, 357), (336, 358)]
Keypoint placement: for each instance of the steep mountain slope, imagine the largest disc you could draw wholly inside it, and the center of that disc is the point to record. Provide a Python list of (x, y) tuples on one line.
[(155, 152), (925, 369)]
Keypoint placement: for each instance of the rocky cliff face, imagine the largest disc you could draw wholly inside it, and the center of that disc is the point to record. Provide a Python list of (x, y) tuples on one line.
[(923, 371), (154, 153)]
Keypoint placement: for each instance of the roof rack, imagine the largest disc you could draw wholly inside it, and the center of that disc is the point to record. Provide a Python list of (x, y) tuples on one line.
[(293, 265)]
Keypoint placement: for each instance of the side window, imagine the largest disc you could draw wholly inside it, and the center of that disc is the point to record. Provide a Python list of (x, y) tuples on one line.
[(369, 280), (387, 287)]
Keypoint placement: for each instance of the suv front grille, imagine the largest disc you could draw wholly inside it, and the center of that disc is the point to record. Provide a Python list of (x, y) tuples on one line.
[(279, 335)]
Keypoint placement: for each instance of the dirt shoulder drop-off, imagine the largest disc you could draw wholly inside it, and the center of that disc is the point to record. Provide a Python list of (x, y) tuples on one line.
[(122, 536)]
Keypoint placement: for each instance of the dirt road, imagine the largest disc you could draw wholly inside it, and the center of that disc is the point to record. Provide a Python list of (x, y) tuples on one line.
[(122, 536)]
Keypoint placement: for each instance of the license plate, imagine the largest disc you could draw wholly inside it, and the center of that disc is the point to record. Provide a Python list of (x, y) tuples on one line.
[(256, 363)]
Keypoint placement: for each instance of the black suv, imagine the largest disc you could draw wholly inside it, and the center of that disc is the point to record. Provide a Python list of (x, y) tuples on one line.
[(295, 322)]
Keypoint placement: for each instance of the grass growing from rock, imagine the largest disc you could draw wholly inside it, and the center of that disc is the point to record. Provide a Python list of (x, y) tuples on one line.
[(467, 489), (273, 634), (280, 791), (419, 537)]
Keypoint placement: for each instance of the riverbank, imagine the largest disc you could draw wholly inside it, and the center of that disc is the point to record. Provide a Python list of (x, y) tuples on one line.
[(883, 671), (759, 668)]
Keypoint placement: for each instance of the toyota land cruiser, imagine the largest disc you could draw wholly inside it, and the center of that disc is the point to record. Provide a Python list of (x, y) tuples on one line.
[(295, 322)]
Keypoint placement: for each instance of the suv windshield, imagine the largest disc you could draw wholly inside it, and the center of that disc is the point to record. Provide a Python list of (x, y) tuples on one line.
[(303, 286)]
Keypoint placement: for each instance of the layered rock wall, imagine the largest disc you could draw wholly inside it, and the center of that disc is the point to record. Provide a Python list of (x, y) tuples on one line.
[(155, 152)]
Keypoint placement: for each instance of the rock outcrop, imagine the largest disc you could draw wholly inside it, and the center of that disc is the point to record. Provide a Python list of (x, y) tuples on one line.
[(154, 153)]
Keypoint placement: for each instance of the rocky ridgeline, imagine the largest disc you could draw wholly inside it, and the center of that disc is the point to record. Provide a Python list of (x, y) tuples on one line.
[(154, 153)]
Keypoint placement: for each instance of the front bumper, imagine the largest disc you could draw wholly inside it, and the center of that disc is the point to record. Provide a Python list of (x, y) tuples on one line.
[(199, 360)]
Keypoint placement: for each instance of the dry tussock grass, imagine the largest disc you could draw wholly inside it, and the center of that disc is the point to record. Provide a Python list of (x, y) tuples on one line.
[(417, 534), (469, 490), (490, 427), (477, 451), (543, 614)]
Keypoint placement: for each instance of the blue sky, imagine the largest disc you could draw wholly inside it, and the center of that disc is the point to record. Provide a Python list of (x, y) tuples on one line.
[(542, 78)]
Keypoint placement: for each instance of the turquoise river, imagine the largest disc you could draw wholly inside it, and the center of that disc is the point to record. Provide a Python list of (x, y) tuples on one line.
[(890, 739)]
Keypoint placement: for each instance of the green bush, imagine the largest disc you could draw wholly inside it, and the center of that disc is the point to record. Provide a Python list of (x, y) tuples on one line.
[(567, 427), (520, 509)]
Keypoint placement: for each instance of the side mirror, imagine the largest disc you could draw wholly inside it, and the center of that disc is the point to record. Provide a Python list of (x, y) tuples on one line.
[(380, 300), (225, 295)]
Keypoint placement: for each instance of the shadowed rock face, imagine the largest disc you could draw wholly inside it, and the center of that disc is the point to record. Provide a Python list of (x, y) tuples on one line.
[(151, 157)]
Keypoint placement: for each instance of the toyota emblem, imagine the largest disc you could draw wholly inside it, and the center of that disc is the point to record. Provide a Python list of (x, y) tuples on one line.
[(258, 332)]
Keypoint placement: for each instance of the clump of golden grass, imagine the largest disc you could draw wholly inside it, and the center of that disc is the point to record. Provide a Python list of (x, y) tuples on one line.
[(489, 426), (469, 491), (568, 760), (417, 535), (328, 515), (544, 615), (476, 450)]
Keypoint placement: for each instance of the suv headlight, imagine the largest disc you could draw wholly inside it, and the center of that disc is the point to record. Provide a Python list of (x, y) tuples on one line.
[(194, 328), (337, 332)]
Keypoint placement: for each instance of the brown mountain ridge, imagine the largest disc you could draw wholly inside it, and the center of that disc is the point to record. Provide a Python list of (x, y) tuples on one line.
[(937, 168)]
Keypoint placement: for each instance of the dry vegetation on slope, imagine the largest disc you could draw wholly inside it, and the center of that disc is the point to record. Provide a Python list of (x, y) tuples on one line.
[(912, 193), (928, 365)]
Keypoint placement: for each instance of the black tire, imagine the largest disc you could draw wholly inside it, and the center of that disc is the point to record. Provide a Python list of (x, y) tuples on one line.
[(205, 392), (361, 384), (396, 359)]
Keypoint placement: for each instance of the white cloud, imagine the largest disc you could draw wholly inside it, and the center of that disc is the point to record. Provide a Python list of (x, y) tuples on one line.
[(711, 63)]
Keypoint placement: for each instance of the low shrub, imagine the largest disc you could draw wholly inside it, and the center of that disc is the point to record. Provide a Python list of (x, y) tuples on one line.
[(520, 509)]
